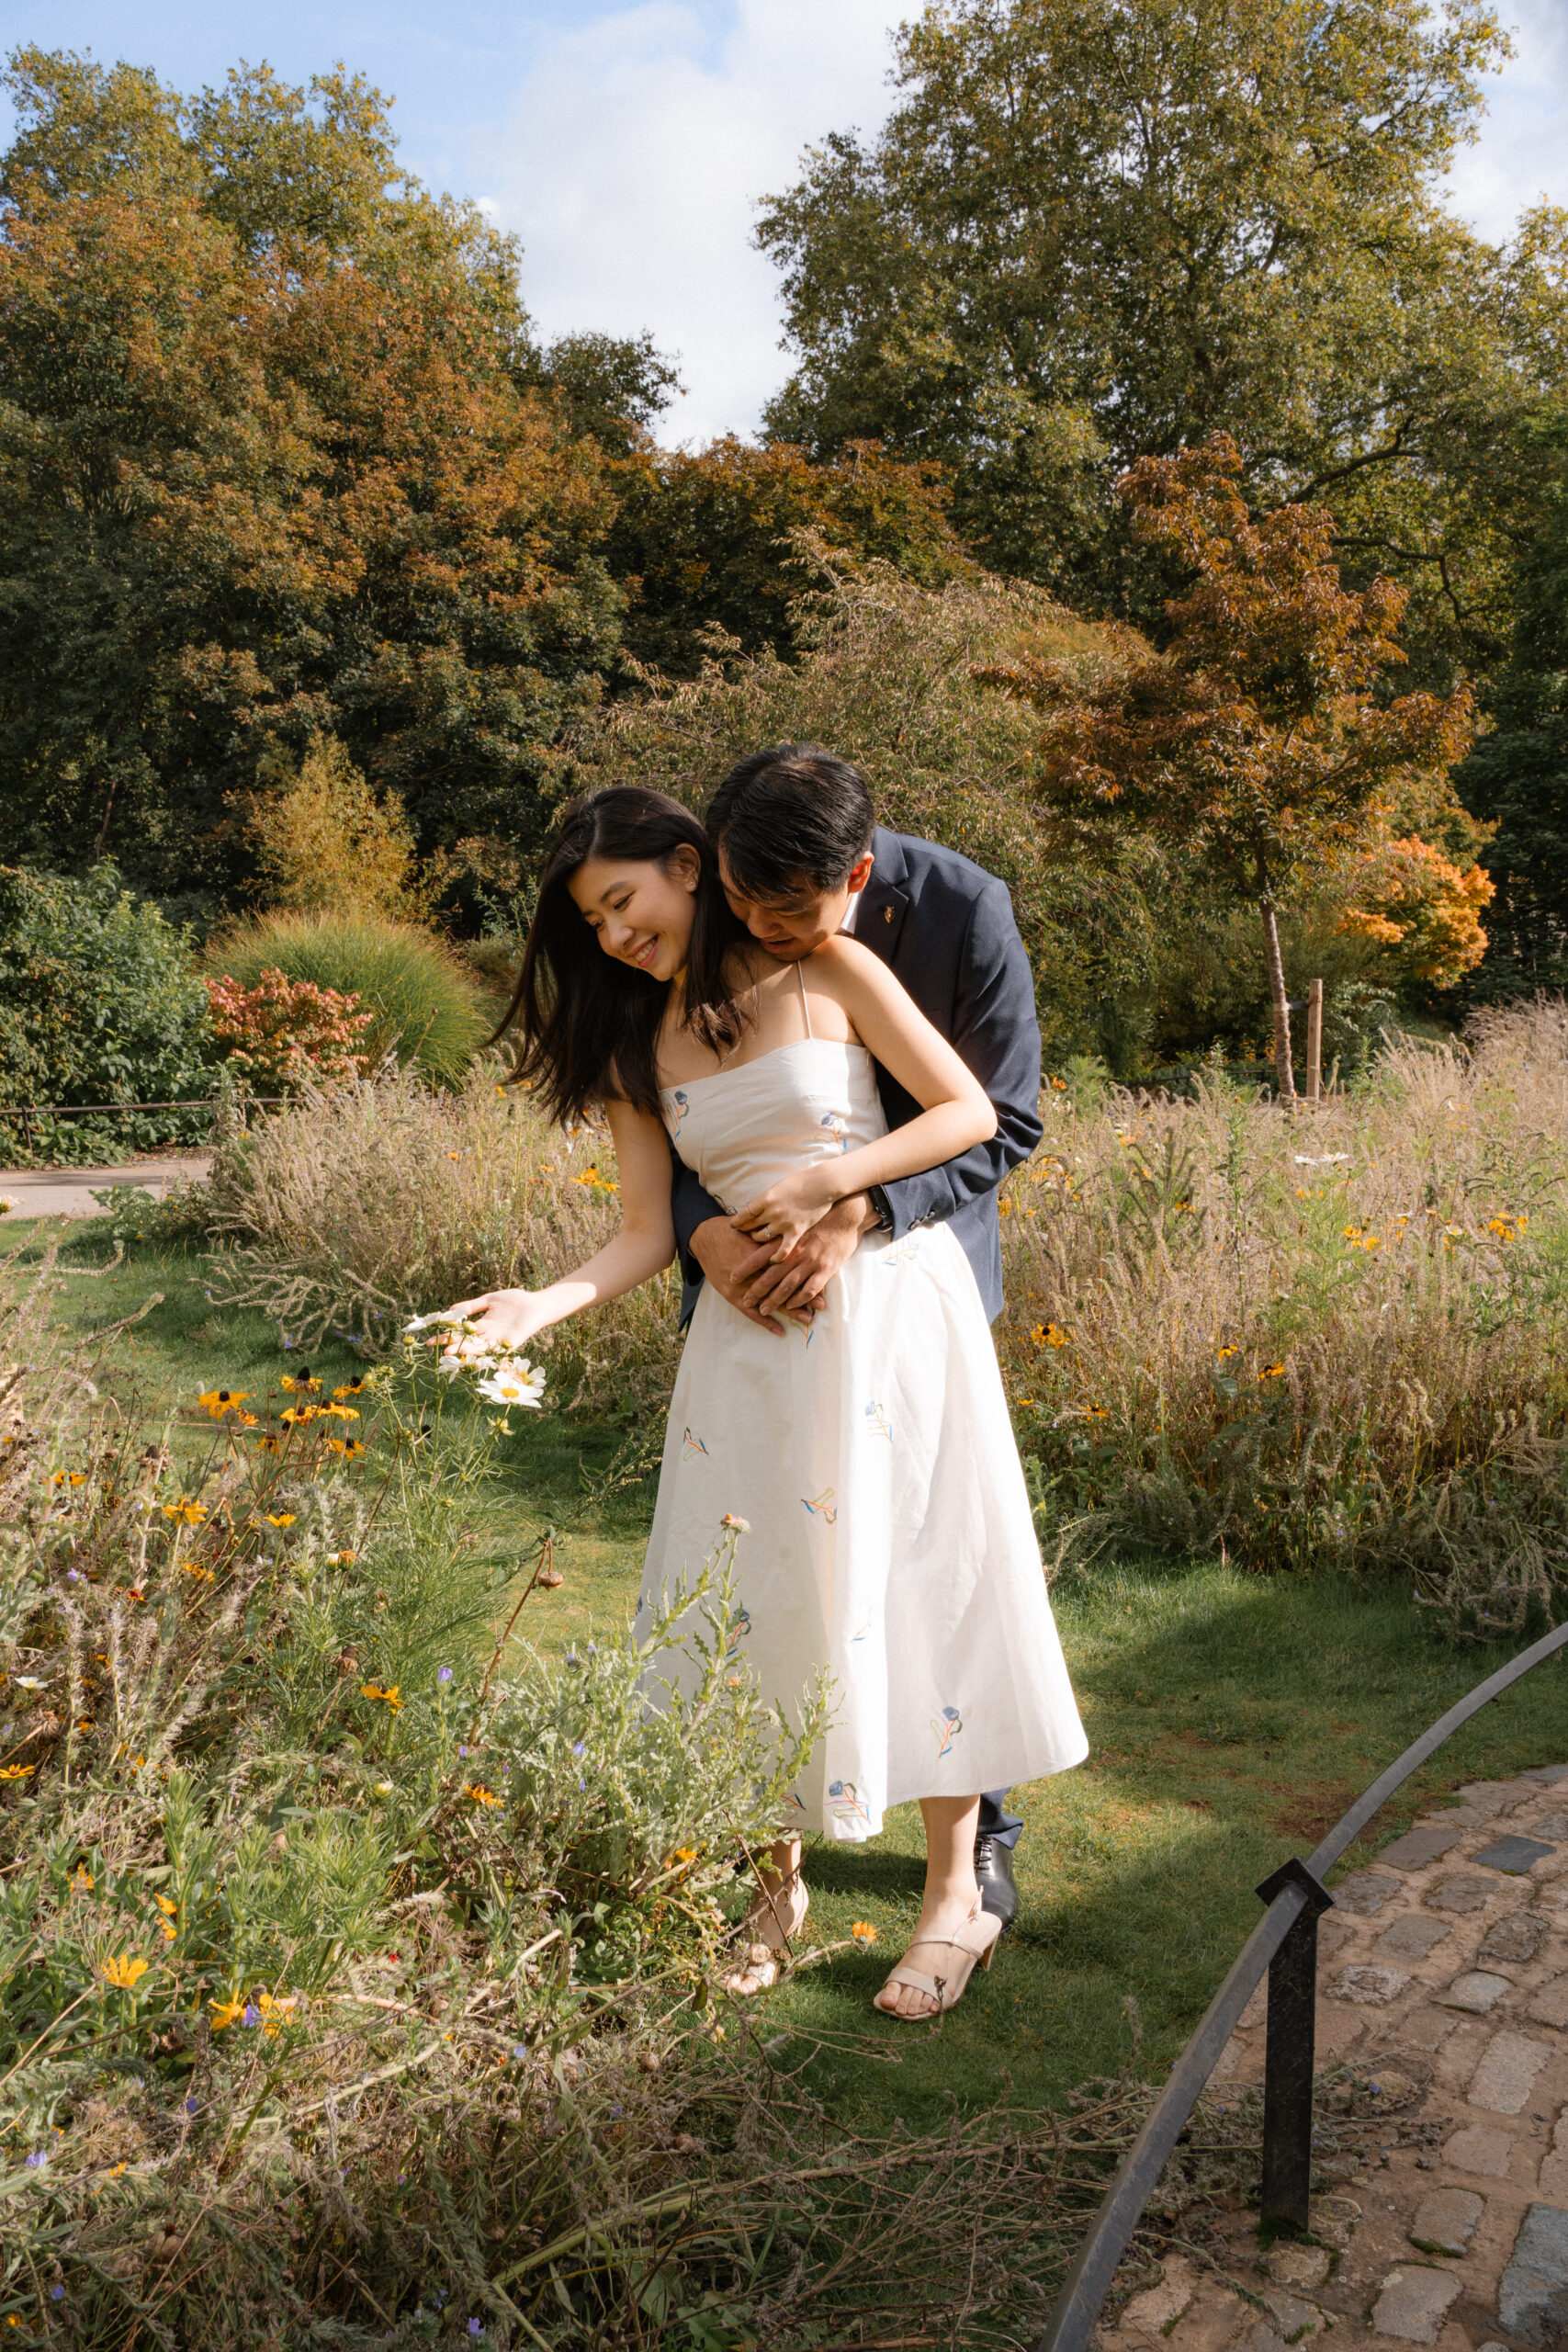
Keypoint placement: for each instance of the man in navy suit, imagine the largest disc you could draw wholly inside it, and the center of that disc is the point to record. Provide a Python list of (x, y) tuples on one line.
[(802, 856)]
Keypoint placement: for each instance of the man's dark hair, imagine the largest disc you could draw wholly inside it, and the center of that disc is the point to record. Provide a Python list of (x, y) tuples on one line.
[(790, 816)]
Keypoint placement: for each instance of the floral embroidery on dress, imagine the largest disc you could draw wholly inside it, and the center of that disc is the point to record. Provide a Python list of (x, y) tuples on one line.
[(847, 1806), (947, 1728), (822, 1506), (862, 1632), (682, 1102), (877, 1421), (740, 1627), (900, 1252), (691, 1445), (838, 1128)]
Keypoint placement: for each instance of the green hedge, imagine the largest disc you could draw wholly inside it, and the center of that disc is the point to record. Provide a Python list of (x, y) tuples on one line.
[(98, 1004)]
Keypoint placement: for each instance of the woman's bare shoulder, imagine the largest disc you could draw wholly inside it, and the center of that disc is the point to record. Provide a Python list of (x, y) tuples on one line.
[(844, 955), (842, 967)]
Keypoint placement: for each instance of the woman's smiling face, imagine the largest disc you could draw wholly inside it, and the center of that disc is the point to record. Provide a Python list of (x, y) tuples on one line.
[(641, 912)]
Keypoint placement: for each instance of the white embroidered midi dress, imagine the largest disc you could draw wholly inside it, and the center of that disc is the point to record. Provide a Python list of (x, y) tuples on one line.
[(891, 1540)]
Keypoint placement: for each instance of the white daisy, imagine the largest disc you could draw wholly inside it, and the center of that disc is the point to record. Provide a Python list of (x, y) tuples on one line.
[(517, 1383)]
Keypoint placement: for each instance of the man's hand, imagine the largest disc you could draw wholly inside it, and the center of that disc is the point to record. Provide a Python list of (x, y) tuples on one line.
[(761, 1286), (731, 1260), (796, 1281)]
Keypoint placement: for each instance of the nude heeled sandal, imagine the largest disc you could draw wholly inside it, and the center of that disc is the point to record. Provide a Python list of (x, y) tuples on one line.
[(975, 1942)]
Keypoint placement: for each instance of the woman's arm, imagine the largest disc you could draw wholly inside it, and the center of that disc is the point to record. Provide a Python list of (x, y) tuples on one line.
[(645, 1243), (956, 1112)]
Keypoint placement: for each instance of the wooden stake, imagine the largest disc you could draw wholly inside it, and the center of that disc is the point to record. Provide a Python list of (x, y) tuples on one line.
[(1314, 1041)]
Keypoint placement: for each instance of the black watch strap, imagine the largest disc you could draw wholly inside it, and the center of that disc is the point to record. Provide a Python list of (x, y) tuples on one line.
[(883, 1206)]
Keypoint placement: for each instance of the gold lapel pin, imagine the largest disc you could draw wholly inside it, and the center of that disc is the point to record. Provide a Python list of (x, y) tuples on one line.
[(887, 914)]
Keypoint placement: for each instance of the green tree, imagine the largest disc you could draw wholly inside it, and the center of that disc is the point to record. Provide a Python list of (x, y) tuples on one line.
[(1256, 742), (1517, 777), (269, 462), (1095, 229), (703, 541), (612, 388)]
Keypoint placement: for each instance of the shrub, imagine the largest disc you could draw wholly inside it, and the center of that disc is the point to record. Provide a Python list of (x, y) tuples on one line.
[(1315, 1341), (885, 680), (352, 1210), (282, 1031), (426, 1009), (324, 842), (97, 1005)]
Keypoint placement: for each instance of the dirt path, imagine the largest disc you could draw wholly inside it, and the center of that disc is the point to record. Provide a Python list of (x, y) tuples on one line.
[(68, 1192)]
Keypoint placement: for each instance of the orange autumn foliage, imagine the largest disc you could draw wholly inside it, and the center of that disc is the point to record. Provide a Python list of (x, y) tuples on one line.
[(1413, 900)]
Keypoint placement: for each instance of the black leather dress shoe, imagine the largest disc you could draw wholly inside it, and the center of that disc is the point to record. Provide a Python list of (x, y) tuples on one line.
[(993, 1868)]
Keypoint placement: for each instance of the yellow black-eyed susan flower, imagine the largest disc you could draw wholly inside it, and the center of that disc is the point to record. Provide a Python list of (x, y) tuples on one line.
[(218, 1401)]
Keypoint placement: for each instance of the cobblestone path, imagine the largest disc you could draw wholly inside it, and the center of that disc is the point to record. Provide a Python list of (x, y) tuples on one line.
[(1444, 1970)]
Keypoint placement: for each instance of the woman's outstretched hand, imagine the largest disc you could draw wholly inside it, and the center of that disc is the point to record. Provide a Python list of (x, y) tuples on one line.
[(788, 1209), (507, 1320)]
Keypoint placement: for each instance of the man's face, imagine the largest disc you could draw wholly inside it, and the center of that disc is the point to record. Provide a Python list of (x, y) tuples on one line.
[(793, 928)]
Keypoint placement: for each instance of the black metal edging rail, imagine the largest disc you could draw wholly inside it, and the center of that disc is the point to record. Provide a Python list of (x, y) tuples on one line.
[(97, 1110), (1285, 1943), (28, 1112)]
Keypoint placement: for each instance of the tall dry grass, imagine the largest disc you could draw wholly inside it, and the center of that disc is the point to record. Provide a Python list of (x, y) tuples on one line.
[(354, 1208), (1333, 1340)]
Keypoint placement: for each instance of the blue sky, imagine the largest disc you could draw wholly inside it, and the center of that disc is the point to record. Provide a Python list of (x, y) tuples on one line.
[(627, 144)]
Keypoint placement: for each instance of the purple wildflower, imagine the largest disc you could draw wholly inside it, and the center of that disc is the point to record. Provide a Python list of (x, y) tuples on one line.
[(444, 1674)]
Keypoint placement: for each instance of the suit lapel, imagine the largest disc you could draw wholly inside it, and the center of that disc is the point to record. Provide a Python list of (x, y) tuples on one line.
[(884, 902)]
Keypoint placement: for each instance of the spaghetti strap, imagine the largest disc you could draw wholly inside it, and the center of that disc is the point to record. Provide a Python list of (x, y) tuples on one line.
[(805, 1012)]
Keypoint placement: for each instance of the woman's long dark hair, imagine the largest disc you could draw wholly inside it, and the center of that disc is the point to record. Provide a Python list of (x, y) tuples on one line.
[(590, 1022)]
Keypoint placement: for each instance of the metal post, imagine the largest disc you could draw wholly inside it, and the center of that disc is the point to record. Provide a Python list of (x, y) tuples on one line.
[(1314, 1041), (1288, 2060)]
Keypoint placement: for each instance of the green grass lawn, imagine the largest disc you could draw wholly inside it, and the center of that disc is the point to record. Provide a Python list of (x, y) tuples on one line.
[(1231, 1718)]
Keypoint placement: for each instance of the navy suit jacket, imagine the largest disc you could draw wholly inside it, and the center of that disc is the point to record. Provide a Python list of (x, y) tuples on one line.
[(946, 928)]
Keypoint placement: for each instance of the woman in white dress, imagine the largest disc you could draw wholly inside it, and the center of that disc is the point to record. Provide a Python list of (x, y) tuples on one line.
[(891, 1543)]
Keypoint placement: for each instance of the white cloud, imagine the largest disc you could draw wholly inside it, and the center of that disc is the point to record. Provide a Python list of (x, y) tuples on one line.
[(632, 161), (1522, 152), (636, 147)]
